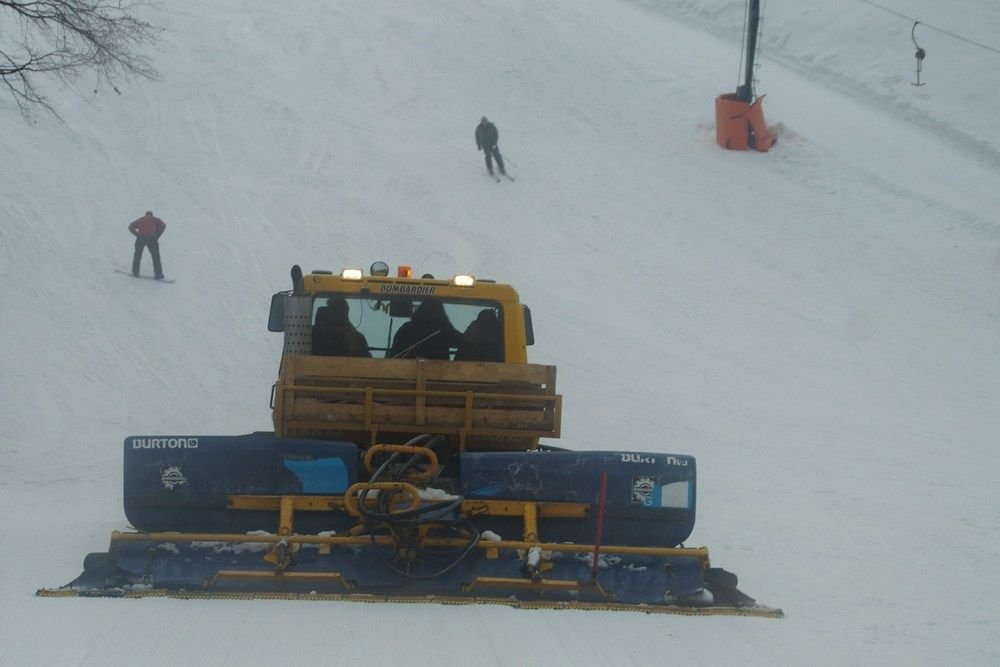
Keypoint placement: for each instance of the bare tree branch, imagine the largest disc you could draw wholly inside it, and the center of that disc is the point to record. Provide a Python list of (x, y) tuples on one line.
[(65, 39)]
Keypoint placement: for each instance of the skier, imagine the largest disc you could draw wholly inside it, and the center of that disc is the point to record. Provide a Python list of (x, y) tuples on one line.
[(147, 231), (486, 141)]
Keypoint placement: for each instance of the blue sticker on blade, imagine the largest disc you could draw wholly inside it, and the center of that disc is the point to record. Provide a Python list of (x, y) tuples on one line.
[(648, 491), (676, 495), (319, 475)]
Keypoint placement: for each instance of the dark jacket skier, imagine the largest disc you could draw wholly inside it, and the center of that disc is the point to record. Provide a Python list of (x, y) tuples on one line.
[(147, 231), (487, 137)]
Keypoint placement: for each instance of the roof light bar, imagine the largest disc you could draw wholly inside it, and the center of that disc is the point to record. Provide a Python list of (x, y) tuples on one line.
[(351, 274), (462, 280)]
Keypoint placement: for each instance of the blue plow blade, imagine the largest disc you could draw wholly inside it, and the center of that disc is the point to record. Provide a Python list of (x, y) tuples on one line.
[(225, 567), (183, 483), (182, 493)]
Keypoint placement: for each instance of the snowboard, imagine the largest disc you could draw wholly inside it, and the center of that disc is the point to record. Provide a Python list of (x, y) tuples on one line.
[(161, 280)]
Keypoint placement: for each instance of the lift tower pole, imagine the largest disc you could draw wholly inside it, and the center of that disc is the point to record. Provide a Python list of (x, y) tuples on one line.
[(745, 91)]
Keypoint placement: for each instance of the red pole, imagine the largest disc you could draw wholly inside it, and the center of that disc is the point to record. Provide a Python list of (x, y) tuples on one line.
[(601, 495)]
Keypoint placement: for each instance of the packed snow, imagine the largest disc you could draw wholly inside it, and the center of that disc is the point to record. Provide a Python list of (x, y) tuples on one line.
[(817, 325)]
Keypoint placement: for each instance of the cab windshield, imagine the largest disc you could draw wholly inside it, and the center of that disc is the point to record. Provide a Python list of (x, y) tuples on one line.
[(407, 328)]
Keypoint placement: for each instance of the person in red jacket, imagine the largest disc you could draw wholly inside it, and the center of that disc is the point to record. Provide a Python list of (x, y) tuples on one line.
[(147, 231)]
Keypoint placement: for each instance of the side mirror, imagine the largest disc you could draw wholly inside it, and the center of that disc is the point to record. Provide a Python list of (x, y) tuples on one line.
[(529, 331), (276, 318)]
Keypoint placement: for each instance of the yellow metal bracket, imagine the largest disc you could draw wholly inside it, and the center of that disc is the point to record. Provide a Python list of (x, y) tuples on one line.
[(289, 577)]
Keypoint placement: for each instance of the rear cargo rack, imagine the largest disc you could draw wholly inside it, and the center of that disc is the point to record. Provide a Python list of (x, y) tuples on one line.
[(482, 404)]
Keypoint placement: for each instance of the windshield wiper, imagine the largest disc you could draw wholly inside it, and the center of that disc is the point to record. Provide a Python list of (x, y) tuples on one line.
[(402, 353)]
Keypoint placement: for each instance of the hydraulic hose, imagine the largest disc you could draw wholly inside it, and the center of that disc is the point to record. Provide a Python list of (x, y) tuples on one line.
[(402, 524)]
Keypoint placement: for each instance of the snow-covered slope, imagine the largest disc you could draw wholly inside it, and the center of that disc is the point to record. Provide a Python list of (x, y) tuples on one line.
[(818, 325)]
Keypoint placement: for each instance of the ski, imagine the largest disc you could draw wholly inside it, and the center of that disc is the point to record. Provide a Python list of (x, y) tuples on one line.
[(507, 176), (159, 280), (493, 176)]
